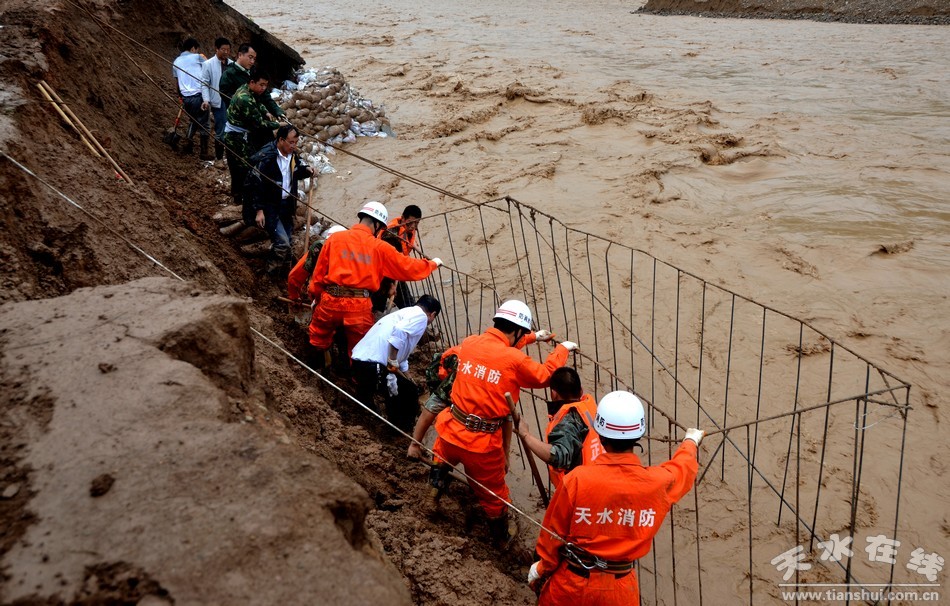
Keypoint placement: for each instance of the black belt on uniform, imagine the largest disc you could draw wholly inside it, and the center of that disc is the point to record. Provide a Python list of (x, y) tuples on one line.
[(476, 423), (581, 562), (346, 292)]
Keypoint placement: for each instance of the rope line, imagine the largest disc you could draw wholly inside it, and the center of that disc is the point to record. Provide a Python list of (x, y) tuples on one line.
[(286, 352)]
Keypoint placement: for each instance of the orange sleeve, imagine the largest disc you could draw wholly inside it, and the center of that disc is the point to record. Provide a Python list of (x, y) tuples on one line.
[(532, 375), (682, 469), (557, 519), (399, 267), (296, 278), (452, 351), (320, 271), (528, 339)]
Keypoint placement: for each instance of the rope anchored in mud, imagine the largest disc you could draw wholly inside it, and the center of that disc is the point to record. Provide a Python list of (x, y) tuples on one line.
[(281, 349)]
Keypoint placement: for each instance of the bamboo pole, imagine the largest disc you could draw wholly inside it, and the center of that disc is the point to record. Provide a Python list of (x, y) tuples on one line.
[(66, 119), (87, 132)]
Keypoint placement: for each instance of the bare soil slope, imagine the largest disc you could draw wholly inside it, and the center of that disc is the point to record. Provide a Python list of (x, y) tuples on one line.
[(145, 476)]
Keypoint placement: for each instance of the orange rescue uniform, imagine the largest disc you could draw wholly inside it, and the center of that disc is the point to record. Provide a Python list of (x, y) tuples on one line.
[(354, 259), (398, 227), (297, 278), (586, 407), (488, 366), (612, 508)]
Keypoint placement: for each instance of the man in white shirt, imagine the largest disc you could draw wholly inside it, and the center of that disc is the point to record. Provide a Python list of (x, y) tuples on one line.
[(381, 360), (187, 73), (211, 71)]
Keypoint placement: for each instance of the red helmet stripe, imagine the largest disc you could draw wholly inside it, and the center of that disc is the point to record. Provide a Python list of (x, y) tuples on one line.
[(623, 427)]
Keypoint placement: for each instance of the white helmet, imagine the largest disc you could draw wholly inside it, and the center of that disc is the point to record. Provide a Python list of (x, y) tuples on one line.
[(620, 415), (374, 210), (332, 230), (515, 312)]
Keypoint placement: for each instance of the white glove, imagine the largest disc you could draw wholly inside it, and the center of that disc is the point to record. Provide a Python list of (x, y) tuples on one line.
[(393, 363), (696, 435), (392, 385), (437, 261), (533, 574), (543, 335), (569, 345)]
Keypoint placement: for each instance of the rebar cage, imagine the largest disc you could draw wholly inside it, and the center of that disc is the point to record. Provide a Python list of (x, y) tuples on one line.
[(793, 466)]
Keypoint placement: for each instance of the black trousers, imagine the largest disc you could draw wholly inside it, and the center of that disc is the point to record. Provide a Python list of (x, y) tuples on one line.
[(401, 409)]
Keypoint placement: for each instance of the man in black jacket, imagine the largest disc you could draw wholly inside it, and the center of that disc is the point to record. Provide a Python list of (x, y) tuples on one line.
[(271, 190)]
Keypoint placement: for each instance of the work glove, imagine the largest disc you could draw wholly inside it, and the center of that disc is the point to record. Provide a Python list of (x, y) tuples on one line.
[(534, 578), (437, 261), (543, 335), (569, 345), (392, 385), (696, 435), (533, 573)]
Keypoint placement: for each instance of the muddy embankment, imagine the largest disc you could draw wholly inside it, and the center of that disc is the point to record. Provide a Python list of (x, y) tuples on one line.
[(933, 12)]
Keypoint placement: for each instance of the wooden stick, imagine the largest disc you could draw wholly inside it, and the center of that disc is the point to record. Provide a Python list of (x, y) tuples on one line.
[(292, 302), (87, 132), (66, 119), (306, 233), (530, 455)]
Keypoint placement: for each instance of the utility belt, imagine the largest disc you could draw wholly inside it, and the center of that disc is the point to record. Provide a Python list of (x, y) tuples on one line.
[(476, 423), (581, 562), (346, 292)]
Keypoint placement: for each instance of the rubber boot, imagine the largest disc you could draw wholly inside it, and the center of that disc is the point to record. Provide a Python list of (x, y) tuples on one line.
[(439, 479), (205, 153), (503, 531), (316, 358), (187, 146), (219, 154)]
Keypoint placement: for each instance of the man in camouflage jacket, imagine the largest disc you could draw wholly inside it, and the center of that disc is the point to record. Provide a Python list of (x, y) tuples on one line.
[(245, 116)]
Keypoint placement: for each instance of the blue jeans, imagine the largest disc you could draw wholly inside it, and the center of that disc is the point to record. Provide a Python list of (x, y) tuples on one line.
[(220, 117), (280, 233), (199, 118)]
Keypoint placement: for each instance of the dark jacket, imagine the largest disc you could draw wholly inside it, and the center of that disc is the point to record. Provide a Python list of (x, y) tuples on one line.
[(263, 188)]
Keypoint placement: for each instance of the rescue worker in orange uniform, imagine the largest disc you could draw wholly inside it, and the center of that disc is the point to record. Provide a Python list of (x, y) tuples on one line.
[(439, 398), (570, 440), (350, 268), (405, 228), (476, 429), (609, 511), (402, 231)]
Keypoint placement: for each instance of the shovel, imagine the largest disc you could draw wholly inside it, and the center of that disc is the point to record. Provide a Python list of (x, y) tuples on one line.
[(171, 136)]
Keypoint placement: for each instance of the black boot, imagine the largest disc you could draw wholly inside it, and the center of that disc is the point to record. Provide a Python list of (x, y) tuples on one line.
[(187, 146), (439, 479), (219, 151), (316, 358), (503, 531), (205, 153)]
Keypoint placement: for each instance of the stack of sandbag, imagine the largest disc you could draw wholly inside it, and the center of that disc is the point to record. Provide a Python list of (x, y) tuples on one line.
[(327, 110)]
